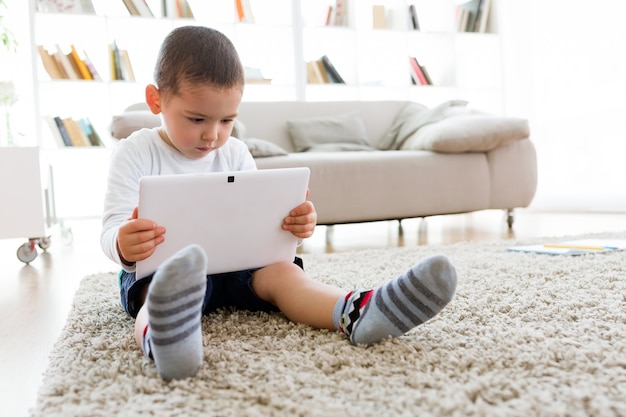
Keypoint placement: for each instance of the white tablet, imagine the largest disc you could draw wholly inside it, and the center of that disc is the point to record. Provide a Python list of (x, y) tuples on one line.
[(235, 216)]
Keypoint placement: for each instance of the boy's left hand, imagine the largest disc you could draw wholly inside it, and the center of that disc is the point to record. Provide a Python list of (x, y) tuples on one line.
[(301, 220)]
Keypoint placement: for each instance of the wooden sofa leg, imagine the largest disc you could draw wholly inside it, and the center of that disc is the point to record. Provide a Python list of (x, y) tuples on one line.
[(422, 232), (510, 218), (329, 234)]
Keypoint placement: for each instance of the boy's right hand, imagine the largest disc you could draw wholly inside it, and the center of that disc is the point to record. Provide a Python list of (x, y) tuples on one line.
[(138, 238)]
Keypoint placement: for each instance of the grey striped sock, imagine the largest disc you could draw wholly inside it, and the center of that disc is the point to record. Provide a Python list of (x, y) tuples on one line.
[(174, 303), (399, 305)]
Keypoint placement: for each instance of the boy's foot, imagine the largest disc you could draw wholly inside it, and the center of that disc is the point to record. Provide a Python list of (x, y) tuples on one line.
[(174, 303), (399, 305)]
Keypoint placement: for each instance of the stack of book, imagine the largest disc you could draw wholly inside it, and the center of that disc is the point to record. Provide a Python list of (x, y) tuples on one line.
[(322, 71), (121, 68), (70, 132), (64, 65)]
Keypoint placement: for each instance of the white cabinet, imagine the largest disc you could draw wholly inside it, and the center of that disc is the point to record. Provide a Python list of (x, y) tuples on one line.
[(21, 211)]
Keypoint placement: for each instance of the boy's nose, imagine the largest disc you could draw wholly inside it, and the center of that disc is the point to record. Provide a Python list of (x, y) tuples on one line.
[(209, 135)]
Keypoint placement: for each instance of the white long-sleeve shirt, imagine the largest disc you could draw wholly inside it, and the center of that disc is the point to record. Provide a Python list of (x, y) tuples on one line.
[(145, 153)]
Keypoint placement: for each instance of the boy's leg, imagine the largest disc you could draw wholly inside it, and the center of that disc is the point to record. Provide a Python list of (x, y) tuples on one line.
[(168, 326), (365, 316), (301, 299)]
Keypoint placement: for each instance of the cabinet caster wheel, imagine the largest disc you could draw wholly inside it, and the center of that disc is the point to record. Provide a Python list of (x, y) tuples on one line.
[(27, 252), (44, 243)]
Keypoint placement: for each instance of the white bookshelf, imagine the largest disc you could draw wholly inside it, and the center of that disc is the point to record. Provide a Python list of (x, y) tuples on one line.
[(283, 36)]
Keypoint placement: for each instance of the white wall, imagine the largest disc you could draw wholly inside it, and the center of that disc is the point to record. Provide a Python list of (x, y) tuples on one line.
[(565, 69)]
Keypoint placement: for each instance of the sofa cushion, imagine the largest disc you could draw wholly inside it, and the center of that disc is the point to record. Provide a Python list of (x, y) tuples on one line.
[(474, 132), (260, 148), (340, 129), (239, 129), (128, 122), (413, 116)]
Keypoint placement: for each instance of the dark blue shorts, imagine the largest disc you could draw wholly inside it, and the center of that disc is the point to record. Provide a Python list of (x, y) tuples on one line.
[(228, 290)]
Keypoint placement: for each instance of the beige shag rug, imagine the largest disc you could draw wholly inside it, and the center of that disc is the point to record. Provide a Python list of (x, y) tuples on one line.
[(526, 335)]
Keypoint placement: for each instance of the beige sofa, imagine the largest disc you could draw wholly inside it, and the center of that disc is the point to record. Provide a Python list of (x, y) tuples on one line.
[(387, 160)]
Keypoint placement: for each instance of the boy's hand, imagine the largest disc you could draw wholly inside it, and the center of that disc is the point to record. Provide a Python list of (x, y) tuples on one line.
[(301, 220), (138, 238)]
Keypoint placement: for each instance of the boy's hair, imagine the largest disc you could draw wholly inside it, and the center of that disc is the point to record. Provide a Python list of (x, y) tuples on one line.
[(198, 55)]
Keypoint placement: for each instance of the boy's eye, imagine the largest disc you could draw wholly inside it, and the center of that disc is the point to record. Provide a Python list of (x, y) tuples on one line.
[(196, 120)]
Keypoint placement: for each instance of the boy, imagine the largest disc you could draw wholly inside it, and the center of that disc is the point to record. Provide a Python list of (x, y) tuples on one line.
[(198, 88)]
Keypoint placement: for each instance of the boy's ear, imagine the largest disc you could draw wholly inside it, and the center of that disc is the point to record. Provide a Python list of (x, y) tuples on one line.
[(153, 98)]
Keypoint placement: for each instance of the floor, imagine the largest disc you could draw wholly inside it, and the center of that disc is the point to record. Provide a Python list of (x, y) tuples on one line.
[(36, 298)]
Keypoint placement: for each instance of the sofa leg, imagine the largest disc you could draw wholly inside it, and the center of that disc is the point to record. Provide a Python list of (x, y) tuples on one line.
[(510, 218), (422, 231), (329, 234)]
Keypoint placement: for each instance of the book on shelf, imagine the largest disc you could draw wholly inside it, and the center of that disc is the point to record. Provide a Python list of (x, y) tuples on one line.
[(426, 74), (91, 67), (379, 16), (483, 16), (130, 6), (254, 75), (66, 6), (340, 17), (461, 18), (90, 131), (330, 16), (142, 8), (321, 70), (417, 74), (313, 73), (50, 64), (60, 140), (245, 14), (241, 13), (468, 12), (415, 24), (83, 71), (61, 130), (127, 68), (333, 74)]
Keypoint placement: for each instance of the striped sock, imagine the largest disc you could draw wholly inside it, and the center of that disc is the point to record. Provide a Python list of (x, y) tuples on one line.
[(174, 303), (399, 305)]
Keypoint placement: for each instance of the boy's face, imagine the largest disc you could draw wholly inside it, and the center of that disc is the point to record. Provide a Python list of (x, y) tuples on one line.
[(198, 119)]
